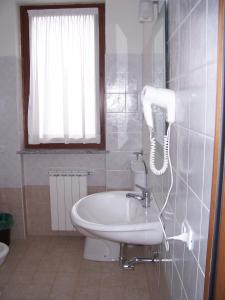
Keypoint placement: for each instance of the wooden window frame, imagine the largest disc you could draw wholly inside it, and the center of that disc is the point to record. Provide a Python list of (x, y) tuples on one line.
[(25, 55)]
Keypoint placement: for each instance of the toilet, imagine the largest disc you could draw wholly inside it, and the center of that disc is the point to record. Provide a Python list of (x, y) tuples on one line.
[(4, 249), (104, 250)]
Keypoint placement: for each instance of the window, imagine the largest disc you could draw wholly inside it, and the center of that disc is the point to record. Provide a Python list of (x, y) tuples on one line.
[(63, 76)]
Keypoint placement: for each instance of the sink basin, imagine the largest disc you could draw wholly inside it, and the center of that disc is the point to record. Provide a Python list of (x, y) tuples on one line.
[(112, 216)]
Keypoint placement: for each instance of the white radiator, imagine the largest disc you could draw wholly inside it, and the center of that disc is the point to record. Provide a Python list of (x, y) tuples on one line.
[(66, 188)]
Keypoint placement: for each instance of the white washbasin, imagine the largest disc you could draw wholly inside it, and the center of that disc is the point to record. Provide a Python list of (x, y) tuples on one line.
[(112, 216)]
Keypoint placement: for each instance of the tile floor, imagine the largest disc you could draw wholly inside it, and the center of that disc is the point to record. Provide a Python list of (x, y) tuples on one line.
[(53, 268)]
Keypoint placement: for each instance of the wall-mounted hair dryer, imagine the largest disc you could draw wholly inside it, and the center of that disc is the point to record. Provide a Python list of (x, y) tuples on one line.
[(163, 98)]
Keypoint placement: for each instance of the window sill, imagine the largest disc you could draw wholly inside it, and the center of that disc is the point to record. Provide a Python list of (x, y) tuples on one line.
[(61, 151)]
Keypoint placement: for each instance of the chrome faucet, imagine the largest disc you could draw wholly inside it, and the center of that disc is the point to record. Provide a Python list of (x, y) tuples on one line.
[(146, 196)]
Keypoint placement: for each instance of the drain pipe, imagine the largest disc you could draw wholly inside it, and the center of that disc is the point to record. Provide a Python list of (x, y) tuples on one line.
[(129, 264), (123, 254)]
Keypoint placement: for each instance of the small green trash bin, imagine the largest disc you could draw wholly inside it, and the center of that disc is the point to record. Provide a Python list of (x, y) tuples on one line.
[(6, 222)]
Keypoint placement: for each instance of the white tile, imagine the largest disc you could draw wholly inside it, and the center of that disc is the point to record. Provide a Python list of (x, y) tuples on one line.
[(123, 141), (173, 146), (204, 238), (118, 180), (194, 3), (155, 183), (132, 122), (169, 276), (114, 122), (178, 252), (123, 122), (166, 181), (181, 200), (119, 160), (145, 138), (184, 295), (198, 35), (168, 220), (196, 156), (185, 44), (185, 7), (36, 167), (115, 102), (174, 15), (135, 64), (197, 87), (183, 96), (189, 274), (191, 46), (176, 286), (174, 55), (123, 73), (131, 102), (211, 99), (212, 30), (115, 82), (208, 169), (172, 197), (200, 285), (182, 152), (194, 219), (116, 63), (169, 212), (132, 82)]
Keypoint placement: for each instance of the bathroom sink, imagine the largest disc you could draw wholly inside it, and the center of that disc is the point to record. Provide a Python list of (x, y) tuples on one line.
[(113, 216)]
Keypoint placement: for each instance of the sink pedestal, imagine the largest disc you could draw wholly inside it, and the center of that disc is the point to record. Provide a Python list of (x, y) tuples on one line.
[(101, 250)]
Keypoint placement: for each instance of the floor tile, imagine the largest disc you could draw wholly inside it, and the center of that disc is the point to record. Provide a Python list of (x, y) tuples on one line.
[(53, 268), (63, 286)]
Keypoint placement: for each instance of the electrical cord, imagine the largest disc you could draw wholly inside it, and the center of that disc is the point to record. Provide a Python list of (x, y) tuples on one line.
[(166, 149)]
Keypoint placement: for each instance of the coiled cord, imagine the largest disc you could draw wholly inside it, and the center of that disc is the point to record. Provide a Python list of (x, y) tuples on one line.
[(165, 154), (171, 175)]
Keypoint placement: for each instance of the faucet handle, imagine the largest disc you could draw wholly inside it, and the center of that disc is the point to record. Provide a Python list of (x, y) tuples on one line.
[(146, 196)]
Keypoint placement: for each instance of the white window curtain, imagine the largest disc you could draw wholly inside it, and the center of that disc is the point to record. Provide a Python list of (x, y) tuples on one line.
[(64, 80)]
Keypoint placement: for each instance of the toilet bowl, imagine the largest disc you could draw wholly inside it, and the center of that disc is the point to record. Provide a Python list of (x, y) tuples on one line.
[(4, 249)]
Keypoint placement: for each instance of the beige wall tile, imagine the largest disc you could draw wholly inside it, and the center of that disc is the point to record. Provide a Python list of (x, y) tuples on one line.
[(96, 189), (38, 211)]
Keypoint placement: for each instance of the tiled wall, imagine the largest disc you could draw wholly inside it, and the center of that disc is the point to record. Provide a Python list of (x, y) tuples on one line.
[(123, 117), (123, 132), (36, 167), (109, 170), (192, 59)]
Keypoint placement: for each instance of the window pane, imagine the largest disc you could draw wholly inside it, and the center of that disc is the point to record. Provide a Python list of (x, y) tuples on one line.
[(63, 98)]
